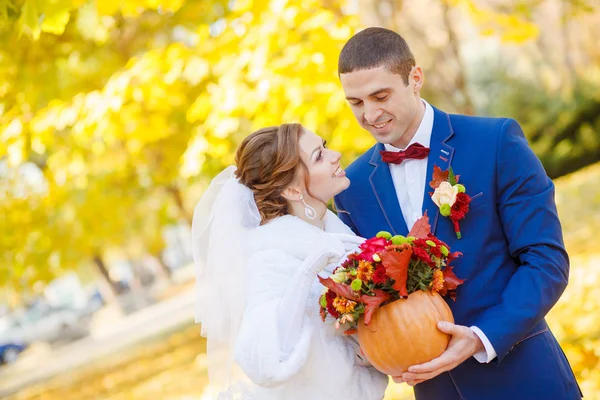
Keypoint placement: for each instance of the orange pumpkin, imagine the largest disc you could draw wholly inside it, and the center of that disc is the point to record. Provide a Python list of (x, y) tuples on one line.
[(405, 333)]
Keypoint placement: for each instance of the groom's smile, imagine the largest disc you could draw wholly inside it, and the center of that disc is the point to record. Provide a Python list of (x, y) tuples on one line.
[(380, 128), (382, 125)]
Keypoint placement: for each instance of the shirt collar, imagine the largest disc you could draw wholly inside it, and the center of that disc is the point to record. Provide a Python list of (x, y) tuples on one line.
[(423, 133)]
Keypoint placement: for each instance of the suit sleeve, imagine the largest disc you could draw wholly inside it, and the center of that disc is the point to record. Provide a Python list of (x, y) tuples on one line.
[(527, 211)]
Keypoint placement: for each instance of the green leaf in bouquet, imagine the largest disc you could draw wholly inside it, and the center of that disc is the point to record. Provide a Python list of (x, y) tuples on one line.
[(452, 179), (367, 288), (419, 275)]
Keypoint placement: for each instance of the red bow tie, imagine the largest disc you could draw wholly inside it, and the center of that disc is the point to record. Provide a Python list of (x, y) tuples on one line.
[(415, 151)]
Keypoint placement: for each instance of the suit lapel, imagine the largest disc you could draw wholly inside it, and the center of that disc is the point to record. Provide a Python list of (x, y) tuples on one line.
[(441, 155), (383, 187)]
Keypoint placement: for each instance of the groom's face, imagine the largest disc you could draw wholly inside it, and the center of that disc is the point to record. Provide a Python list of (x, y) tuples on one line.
[(384, 104)]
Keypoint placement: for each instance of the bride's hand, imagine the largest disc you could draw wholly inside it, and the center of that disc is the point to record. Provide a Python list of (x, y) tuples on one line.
[(328, 249), (351, 242)]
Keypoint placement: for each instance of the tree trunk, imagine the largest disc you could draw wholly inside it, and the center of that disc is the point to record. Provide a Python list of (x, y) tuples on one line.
[(461, 77), (163, 267), (113, 290), (176, 193), (380, 13)]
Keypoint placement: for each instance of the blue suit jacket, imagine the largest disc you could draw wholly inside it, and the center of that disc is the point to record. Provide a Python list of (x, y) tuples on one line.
[(514, 264)]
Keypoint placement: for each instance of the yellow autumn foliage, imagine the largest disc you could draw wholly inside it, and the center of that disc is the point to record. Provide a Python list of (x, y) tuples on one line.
[(115, 114)]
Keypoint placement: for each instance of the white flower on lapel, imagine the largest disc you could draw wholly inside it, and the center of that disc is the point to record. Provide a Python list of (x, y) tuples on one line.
[(445, 194), (449, 196)]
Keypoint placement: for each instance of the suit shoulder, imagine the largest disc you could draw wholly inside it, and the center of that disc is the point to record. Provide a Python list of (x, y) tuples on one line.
[(459, 120), (481, 127)]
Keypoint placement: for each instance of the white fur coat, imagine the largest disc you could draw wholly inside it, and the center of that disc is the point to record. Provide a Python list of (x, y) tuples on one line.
[(322, 364)]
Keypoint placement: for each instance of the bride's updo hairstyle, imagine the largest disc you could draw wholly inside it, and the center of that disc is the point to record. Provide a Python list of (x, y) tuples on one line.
[(267, 162)]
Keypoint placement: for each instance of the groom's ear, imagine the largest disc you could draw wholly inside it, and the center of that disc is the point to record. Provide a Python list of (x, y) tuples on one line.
[(292, 193), (416, 78)]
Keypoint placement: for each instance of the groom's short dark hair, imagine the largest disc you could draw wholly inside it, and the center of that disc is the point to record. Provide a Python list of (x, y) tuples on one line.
[(374, 47)]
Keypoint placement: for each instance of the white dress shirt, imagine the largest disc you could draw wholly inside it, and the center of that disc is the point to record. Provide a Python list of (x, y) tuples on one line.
[(410, 178)]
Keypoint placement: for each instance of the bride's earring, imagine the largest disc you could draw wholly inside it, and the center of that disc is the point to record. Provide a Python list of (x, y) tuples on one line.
[(308, 210)]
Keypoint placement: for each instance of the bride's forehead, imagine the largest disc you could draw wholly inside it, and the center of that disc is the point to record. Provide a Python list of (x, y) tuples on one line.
[(309, 140)]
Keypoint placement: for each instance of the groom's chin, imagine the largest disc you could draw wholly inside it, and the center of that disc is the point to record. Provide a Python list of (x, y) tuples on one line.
[(384, 138)]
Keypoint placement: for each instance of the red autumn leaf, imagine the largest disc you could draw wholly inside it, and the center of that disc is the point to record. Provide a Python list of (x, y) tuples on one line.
[(421, 228), (339, 289), (451, 294), (453, 256), (350, 331), (373, 302), (439, 176), (451, 281), (396, 267)]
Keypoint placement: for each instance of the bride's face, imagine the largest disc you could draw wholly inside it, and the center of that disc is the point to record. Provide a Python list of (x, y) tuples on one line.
[(326, 176)]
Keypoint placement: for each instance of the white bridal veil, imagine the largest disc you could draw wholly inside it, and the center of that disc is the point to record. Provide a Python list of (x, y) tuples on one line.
[(223, 218)]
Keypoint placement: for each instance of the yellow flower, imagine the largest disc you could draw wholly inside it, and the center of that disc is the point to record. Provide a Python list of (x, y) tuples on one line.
[(437, 283), (364, 271), (343, 305), (340, 276)]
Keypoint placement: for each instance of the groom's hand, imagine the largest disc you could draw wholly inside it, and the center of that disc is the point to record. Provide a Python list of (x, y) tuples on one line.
[(463, 344)]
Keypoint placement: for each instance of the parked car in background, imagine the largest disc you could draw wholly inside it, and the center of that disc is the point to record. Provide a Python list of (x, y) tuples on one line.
[(43, 323), (9, 351)]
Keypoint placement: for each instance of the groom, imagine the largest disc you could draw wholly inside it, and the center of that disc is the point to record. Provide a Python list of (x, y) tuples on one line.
[(514, 264)]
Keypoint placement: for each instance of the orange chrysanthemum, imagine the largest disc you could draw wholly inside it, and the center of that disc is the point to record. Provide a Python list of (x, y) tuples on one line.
[(398, 247), (364, 272), (343, 305), (438, 281)]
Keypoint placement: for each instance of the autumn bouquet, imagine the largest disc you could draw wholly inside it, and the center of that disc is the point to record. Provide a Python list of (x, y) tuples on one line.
[(389, 292)]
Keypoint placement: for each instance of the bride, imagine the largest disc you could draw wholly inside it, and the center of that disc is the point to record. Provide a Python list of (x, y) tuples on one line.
[(261, 234)]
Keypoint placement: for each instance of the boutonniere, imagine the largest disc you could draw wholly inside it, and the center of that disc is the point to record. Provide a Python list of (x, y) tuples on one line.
[(449, 196)]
